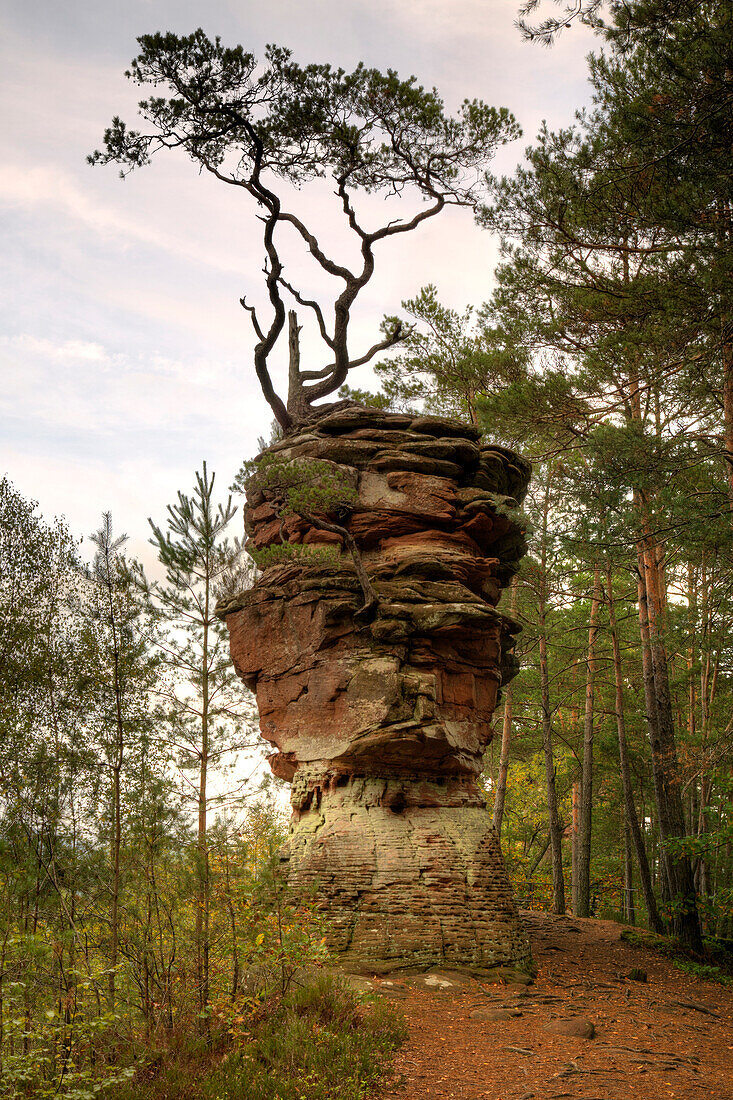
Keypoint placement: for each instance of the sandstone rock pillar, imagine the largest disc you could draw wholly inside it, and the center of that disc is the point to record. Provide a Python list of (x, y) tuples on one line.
[(381, 727)]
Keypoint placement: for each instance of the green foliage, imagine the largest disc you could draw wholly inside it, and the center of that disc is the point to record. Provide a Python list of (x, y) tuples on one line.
[(309, 121), (605, 353), (205, 704), (324, 1042), (717, 966), (51, 1057), (285, 553), (706, 971), (58, 1036), (39, 581), (298, 484), (450, 359), (365, 397), (615, 275), (98, 866)]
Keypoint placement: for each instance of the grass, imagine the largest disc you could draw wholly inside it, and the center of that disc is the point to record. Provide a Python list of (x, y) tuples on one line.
[(324, 1042), (715, 966)]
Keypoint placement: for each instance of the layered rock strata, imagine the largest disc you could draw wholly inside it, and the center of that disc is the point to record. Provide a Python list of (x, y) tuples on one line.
[(381, 726)]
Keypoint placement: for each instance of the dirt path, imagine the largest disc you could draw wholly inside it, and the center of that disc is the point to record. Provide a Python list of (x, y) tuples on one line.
[(669, 1037)]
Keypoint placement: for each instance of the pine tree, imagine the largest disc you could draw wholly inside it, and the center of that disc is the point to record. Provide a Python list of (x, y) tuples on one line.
[(207, 716), (121, 674)]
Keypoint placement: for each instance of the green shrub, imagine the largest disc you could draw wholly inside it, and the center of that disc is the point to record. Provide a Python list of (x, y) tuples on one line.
[(286, 552), (717, 968), (703, 970), (323, 1042)]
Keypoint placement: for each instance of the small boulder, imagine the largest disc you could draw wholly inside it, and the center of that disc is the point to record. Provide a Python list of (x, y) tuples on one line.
[(441, 981), (515, 977), (577, 1027), (637, 974), (493, 1015)]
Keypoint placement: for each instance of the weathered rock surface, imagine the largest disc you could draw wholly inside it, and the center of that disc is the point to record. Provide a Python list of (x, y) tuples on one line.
[(495, 1015), (577, 1027), (381, 726)]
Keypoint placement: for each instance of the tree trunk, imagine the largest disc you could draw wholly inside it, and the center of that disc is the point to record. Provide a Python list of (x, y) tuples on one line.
[(232, 920), (574, 828), (297, 404), (371, 600), (506, 733), (119, 748), (727, 341), (558, 880), (203, 907), (660, 724), (632, 820), (665, 769), (586, 785), (629, 910), (501, 781)]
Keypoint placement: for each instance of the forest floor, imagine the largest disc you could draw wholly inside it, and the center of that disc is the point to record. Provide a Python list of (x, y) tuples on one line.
[(671, 1036)]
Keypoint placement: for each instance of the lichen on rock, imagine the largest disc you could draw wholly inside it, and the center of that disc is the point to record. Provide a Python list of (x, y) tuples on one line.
[(381, 725)]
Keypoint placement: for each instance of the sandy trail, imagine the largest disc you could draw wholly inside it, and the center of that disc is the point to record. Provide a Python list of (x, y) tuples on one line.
[(669, 1037)]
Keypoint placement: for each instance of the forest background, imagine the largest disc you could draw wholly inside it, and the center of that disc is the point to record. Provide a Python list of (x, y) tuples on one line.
[(606, 355)]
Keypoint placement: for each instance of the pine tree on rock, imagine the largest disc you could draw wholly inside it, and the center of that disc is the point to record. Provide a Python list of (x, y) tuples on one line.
[(264, 129)]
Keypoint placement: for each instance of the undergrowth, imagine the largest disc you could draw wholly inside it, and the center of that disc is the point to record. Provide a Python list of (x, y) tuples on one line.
[(715, 966), (323, 1042)]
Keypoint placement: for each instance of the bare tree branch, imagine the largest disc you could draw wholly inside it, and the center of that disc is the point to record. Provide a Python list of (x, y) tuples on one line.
[(315, 249), (318, 312), (253, 314)]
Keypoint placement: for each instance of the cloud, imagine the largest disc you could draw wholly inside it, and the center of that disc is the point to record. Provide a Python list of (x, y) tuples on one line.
[(50, 190), (70, 349), (82, 393)]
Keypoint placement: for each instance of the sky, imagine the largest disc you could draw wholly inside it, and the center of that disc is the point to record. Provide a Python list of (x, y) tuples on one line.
[(125, 357)]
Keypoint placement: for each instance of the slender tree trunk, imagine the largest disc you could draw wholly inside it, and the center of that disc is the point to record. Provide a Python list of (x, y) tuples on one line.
[(660, 724), (709, 670), (117, 760), (575, 796), (727, 341), (3, 953), (506, 733), (203, 907), (539, 857), (115, 900), (586, 785), (501, 781), (703, 884), (558, 880), (632, 820), (678, 868), (629, 909), (232, 921), (574, 830)]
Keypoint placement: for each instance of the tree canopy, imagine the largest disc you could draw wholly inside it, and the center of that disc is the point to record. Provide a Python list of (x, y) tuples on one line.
[(266, 128)]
